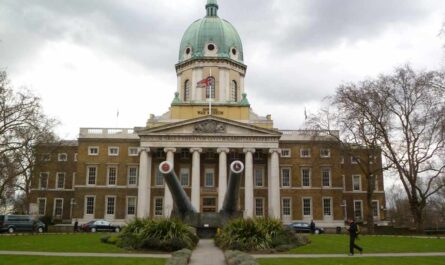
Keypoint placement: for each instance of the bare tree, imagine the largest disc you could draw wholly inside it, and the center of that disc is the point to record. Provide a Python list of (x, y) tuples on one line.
[(404, 114), (358, 139), (22, 126)]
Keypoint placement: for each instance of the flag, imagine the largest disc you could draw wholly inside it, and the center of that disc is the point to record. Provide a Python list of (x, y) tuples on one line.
[(203, 83), (305, 114), (117, 113)]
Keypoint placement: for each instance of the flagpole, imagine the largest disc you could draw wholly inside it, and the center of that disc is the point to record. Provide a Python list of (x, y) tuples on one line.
[(210, 99)]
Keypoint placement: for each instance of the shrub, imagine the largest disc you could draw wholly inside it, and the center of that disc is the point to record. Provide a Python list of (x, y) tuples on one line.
[(256, 234), (180, 257), (239, 258), (163, 234)]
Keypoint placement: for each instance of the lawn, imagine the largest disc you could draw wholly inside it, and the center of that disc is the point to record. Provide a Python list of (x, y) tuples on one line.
[(41, 260), (339, 244), (354, 261), (81, 242)]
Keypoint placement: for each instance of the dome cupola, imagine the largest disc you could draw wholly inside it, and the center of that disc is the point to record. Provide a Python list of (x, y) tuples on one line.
[(211, 37)]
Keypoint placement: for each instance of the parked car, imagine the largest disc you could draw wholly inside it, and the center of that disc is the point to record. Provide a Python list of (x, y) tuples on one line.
[(20, 223), (100, 226), (303, 227)]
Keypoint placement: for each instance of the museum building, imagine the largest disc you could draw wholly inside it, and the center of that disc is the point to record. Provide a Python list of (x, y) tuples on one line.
[(112, 173)]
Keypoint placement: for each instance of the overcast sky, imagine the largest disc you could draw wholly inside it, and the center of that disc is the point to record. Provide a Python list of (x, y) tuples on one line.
[(88, 58)]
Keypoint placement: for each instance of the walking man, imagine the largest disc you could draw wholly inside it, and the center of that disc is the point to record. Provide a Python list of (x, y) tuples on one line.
[(353, 233)]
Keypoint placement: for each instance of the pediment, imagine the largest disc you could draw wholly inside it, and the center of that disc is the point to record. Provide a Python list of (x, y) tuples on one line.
[(209, 125)]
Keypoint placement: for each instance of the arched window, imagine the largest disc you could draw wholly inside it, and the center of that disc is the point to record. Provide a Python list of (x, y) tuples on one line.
[(187, 90), (234, 90), (210, 89)]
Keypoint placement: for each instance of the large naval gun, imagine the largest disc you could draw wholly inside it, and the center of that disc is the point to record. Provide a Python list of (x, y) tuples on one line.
[(205, 223)]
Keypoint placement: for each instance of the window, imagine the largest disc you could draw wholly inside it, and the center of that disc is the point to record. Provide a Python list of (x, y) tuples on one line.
[(285, 177), (325, 152), (356, 183), (112, 175), (113, 151), (234, 90), (210, 89), (185, 154), (210, 155), (184, 176), (46, 157), (160, 153), (342, 160), (43, 183), (209, 204), (375, 209), (131, 205), (91, 175), (132, 175), (58, 208), (209, 180), (62, 157), (286, 207), (327, 206), (259, 176), (326, 177), (159, 179), (358, 210), (89, 204), (376, 183), (306, 177), (344, 182), (111, 203), (93, 150), (307, 207), (354, 160), (60, 182), (75, 157), (305, 152), (286, 152), (133, 151), (187, 90), (159, 206), (42, 206), (259, 207)]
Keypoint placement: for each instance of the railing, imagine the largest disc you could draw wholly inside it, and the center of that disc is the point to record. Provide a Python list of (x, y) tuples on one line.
[(107, 133), (334, 133)]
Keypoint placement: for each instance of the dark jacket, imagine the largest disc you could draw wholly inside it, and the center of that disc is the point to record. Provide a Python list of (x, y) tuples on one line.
[(353, 229)]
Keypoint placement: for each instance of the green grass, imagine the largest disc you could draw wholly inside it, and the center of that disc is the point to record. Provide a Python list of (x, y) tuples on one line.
[(339, 244), (81, 242), (41, 260), (355, 261)]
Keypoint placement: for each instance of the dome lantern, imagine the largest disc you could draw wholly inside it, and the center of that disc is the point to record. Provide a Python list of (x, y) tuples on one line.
[(212, 8)]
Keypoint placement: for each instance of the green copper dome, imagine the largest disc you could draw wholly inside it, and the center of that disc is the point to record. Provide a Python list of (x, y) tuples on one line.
[(211, 37)]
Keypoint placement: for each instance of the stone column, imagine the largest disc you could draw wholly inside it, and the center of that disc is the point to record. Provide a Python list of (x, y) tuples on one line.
[(196, 177), (168, 199), (248, 184), (222, 183), (143, 203), (274, 184)]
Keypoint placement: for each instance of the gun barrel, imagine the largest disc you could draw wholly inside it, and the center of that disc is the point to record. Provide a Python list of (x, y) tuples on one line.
[(179, 196), (230, 204)]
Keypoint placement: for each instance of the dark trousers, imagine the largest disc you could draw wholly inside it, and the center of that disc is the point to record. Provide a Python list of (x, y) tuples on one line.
[(352, 244)]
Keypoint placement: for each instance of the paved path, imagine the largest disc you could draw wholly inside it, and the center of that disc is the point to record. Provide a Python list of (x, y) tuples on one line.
[(293, 256), (83, 254), (207, 254)]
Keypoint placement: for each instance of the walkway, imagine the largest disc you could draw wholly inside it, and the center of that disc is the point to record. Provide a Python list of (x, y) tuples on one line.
[(83, 254), (301, 256), (207, 254)]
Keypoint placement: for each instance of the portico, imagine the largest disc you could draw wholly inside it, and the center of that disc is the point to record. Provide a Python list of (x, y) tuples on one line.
[(204, 135)]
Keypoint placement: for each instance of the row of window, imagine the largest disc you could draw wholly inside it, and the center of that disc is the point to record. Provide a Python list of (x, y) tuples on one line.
[(61, 157), (112, 174), (60, 180), (112, 151), (306, 152), (90, 204), (326, 178)]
